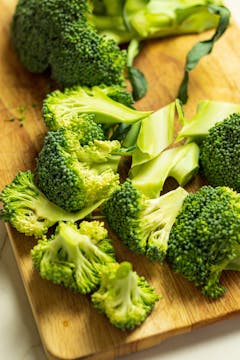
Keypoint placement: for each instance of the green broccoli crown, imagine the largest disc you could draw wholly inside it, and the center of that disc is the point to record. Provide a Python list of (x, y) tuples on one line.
[(27, 209), (125, 298), (220, 153), (66, 180), (204, 239), (74, 257), (143, 224), (63, 106), (57, 34), (83, 124)]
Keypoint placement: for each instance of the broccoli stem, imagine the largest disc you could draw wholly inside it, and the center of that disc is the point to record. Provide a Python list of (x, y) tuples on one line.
[(180, 162)]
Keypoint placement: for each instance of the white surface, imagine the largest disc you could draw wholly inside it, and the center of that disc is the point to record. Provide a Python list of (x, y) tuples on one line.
[(19, 339)]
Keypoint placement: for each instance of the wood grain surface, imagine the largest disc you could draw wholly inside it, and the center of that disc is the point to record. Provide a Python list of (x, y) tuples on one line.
[(68, 325)]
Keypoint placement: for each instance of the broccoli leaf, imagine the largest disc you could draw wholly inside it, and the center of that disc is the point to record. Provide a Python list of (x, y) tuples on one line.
[(203, 48)]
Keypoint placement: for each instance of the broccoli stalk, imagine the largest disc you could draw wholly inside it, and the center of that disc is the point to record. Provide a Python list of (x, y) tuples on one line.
[(204, 240), (208, 114), (152, 18), (74, 257), (74, 101), (180, 162), (154, 134), (143, 224), (27, 209), (125, 298)]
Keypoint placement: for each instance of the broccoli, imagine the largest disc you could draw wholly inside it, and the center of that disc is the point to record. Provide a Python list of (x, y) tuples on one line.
[(28, 210), (143, 224), (220, 153), (57, 34), (155, 134), (84, 124), (180, 162), (144, 19), (208, 114), (204, 239), (75, 176), (125, 297), (63, 106), (74, 256)]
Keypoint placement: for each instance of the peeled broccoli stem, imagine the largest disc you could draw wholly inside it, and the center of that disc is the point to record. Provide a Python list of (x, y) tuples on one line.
[(156, 220), (208, 114), (93, 101), (154, 134), (180, 162), (153, 19), (27, 209), (124, 297)]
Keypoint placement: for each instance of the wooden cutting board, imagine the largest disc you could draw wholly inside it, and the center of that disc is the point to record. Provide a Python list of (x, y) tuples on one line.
[(69, 326)]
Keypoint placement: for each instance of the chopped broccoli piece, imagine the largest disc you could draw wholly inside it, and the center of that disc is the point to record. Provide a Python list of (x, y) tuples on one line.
[(220, 153), (75, 176), (27, 209), (156, 133), (143, 19), (57, 34), (84, 124), (125, 297), (143, 224), (208, 114), (74, 257), (74, 101), (118, 94), (204, 239), (180, 162)]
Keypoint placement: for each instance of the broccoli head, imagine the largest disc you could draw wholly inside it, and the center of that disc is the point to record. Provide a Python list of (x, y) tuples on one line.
[(220, 153), (27, 209), (61, 107), (125, 297), (74, 176), (143, 224), (74, 256), (83, 124), (57, 34), (204, 239)]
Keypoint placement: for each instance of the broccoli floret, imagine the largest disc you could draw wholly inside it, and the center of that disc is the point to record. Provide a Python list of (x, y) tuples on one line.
[(204, 239), (74, 257), (63, 106), (27, 209), (143, 224), (220, 153), (57, 34), (125, 297), (180, 162), (84, 124), (75, 176), (208, 114)]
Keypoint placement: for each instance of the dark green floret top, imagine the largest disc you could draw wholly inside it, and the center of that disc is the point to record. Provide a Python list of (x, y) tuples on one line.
[(57, 34), (205, 238), (220, 153)]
